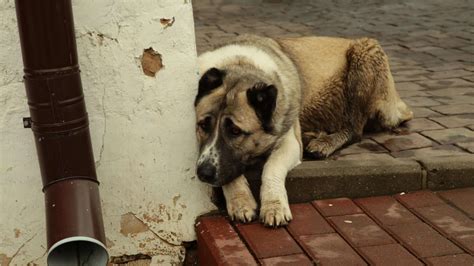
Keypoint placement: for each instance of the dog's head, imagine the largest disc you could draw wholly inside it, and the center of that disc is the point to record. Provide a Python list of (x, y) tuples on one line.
[(234, 110)]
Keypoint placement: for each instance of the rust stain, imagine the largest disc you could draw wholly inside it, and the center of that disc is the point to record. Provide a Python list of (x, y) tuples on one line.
[(151, 62), (5, 260), (17, 232), (129, 224), (167, 22)]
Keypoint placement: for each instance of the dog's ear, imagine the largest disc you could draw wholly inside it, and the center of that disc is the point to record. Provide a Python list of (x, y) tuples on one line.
[(262, 98), (212, 79)]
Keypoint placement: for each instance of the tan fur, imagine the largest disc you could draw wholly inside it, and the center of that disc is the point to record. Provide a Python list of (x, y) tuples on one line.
[(335, 71)]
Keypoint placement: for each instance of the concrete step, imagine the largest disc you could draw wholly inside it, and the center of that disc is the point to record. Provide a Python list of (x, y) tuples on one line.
[(363, 178)]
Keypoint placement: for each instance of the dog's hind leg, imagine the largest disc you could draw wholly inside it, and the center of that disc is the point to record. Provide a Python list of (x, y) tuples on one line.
[(322, 145), (240, 202), (391, 110), (370, 81)]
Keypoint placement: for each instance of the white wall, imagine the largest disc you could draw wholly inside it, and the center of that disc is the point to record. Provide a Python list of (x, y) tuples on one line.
[(142, 131)]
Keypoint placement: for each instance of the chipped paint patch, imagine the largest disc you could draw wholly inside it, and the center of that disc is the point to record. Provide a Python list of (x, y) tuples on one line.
[(175, 199), (4, 259), (167, 22), (129, 224), (17, 232), (143, 258), (151, 62)]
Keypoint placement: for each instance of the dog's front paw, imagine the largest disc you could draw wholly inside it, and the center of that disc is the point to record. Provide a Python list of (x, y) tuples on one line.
[(242, 208), (275, 212)]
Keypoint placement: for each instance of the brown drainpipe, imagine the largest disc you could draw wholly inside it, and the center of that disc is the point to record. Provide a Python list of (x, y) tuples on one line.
[(74, 226)]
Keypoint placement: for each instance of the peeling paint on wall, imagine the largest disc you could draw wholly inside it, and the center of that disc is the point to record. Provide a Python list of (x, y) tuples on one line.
[(143, 259), (167, 22), (151, 62), (4, 259), (129, 224)]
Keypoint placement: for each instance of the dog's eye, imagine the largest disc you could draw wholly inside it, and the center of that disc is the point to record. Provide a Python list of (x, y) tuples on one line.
[(235, 130), (205, 124)]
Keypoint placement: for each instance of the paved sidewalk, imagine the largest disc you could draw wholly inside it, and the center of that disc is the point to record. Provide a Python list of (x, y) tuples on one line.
[(431, 50), (407, 229)]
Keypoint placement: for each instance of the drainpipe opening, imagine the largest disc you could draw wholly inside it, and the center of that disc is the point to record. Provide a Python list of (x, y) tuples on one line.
[(77, 250), (73, 214)]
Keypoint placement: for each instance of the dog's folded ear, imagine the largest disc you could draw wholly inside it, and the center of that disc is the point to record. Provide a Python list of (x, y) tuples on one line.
[(212, 79), (262, 98)]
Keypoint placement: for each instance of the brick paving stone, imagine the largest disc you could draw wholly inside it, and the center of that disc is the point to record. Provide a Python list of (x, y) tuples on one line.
[(469, 78), (419, 199), (392, 254), (330, 249), (421, 124), (447, 219), (408, 86), (420, 112), (403, 142), (423, 240), (360, 230), (307, 221), (445, 84), (220, 244), (335, 207), (450, 135), (466, 241), (413, 93), (451, 91), (455, 120), (364, 146), (454, 109), (462, 198), (458, 73), (268, 242), (469, 146), (455, 99), (449, 66), (386, 210), (421, 101), (457, 260), (299, 259), (435, 151)]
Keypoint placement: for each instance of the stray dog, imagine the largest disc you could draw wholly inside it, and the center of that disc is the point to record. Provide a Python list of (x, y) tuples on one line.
[(277, 98)]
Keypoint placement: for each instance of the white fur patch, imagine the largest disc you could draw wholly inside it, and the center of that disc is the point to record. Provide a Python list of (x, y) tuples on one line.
[(210, 152), (219, 57)]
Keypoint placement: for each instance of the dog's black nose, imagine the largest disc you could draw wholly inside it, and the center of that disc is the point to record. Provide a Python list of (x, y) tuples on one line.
[(206, 172)]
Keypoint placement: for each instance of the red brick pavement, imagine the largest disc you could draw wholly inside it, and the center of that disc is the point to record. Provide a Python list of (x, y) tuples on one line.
[(424, 227)]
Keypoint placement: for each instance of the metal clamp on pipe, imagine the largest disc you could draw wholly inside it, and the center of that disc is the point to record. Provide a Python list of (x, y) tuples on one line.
[(74, 226)]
